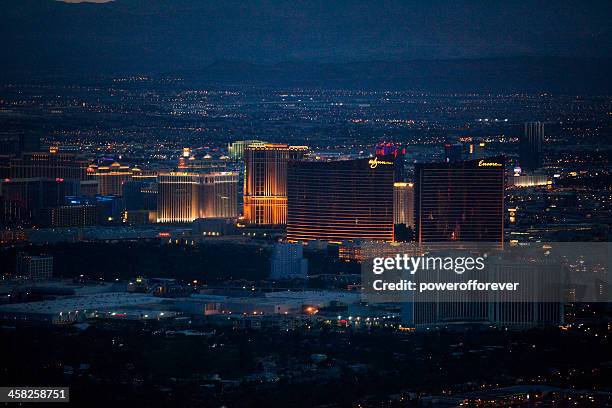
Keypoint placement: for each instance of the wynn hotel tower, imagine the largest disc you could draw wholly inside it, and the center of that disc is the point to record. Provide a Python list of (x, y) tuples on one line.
[(341, 200)]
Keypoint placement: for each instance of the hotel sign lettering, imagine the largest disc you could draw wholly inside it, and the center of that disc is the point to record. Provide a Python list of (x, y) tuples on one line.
[(483, 163), (374, 163)]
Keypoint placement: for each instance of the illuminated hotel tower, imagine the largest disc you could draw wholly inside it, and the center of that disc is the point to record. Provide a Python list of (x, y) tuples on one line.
[(219, 195), (462, 201), (340, 200), (265, 181), (403, 204), (111, 178), (184, 197)]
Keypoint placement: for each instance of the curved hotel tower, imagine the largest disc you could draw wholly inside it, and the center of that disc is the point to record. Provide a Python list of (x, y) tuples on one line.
[(265, 181), (340, 200), (461, 201)]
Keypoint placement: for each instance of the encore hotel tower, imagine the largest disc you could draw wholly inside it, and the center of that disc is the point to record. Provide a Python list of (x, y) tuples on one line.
[(340, 200), (265, 181), (461, 201)]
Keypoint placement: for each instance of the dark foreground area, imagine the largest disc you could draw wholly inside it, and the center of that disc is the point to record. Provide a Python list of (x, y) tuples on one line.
[(150, 364)]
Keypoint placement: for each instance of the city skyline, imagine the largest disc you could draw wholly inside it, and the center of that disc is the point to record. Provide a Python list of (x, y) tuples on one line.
[(306, 204)]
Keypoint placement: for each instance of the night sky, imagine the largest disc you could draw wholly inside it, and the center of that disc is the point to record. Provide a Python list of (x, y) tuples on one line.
[(160, 35)]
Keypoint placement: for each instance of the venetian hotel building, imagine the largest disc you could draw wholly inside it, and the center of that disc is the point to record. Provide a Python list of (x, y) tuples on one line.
[(340, 200), (265, 181), (184, 197)]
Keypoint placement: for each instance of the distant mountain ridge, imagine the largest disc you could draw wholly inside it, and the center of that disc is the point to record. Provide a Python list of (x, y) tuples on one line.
[(560, 75)]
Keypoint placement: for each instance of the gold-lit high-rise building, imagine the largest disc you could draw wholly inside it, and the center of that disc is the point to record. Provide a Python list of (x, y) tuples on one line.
[(265, 181), (184, 197), (403, 204), (219, 195), (111, 178)]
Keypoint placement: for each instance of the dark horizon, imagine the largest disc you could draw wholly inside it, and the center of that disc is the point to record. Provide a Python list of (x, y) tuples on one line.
[(130, 36), (557, 75)]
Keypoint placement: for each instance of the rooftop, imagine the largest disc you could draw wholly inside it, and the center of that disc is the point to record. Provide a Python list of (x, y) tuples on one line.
[(83, 303)]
